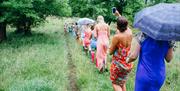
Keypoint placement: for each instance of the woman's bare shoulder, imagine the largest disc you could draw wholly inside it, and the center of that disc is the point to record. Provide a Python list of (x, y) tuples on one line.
[(119, 36), (129, 31), (116, 37)]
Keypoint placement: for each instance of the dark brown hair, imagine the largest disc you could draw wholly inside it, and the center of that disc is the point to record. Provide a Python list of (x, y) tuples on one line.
[(92, 27), (122, 24)]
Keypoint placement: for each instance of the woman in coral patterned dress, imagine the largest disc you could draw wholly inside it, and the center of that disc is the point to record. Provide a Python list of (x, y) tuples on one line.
[(120, 47), (102, 33), (87, 38)]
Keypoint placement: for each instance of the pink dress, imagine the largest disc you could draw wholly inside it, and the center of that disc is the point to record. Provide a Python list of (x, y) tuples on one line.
[(102, 34), (87, 38)]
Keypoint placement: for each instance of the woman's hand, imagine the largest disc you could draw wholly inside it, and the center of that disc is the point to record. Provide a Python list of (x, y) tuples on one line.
[(117, 13), (169, 55), (134, 52)]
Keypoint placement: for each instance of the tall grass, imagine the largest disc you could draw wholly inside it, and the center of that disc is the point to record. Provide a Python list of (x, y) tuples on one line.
[(35, 63), (39, 63)]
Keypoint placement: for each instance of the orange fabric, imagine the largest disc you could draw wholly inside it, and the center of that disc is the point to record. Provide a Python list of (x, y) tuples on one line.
[(119, 69), (87, 37), (121, 56), (120, 48)]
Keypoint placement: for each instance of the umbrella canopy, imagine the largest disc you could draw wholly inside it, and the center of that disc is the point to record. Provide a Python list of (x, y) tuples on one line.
[(160, 22), (85, 21)]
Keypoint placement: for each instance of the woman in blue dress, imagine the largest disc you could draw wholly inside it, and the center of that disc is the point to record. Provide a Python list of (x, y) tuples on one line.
[(151, 72)]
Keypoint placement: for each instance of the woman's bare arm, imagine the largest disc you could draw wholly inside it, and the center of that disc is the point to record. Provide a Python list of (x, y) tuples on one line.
[(117, 13), (95, 32), (134, 52), (169, 55), (113, 45), (108, 31)]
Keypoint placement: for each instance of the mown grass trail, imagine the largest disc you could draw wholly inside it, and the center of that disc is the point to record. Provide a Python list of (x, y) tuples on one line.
[(71, 66), (42, 63)]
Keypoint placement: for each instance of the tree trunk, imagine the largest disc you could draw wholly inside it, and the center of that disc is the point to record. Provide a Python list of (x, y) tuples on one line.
[(27, 29), (122, 4), (2, 31), (19, 29), (109, 22), (23, 27), (146, 1), (157, 1)]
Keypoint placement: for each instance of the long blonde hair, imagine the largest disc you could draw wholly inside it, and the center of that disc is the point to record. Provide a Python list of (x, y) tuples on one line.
[(100, 19)]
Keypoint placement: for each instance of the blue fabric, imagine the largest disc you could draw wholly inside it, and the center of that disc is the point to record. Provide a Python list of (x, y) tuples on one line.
[(93, 43), (85, 21), (160, 22), (82, 35), (150, 74)]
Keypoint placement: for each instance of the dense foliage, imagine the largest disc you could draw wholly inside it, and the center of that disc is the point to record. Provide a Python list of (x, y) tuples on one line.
[(24, 14), (93, 8)]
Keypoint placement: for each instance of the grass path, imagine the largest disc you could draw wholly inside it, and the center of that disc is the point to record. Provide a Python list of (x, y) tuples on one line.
[(52, 61), (71, 67)]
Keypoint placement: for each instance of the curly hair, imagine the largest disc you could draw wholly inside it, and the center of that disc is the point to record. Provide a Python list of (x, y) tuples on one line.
[(122, 24)]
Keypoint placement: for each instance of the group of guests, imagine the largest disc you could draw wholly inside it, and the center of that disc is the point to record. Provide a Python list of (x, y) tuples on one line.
[(96, 42), (150, 74), (71, 28)]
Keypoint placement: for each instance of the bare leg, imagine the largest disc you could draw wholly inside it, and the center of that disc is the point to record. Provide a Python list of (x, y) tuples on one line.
[(123, 87), (101, 70), (117, 87), (105, 63)]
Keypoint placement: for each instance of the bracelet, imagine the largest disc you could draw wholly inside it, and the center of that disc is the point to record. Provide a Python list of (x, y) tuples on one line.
[(127, 59)]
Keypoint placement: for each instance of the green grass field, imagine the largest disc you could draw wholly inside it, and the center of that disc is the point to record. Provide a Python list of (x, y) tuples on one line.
[(41, 63)]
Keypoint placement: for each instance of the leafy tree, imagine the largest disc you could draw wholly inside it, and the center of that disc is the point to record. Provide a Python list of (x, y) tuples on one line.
[(132, 7), (93, 8), (24, 14), (153, 2), (3, 20), (32, 12)]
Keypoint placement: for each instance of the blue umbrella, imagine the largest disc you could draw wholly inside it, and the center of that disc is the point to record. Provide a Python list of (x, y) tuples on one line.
[(85, 21), (160, 22)]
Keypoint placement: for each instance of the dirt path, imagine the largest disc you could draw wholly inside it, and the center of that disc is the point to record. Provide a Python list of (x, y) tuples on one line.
[(71, 67)]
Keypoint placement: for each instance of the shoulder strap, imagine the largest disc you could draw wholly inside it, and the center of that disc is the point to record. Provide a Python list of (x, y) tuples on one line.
[(140, 37)]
